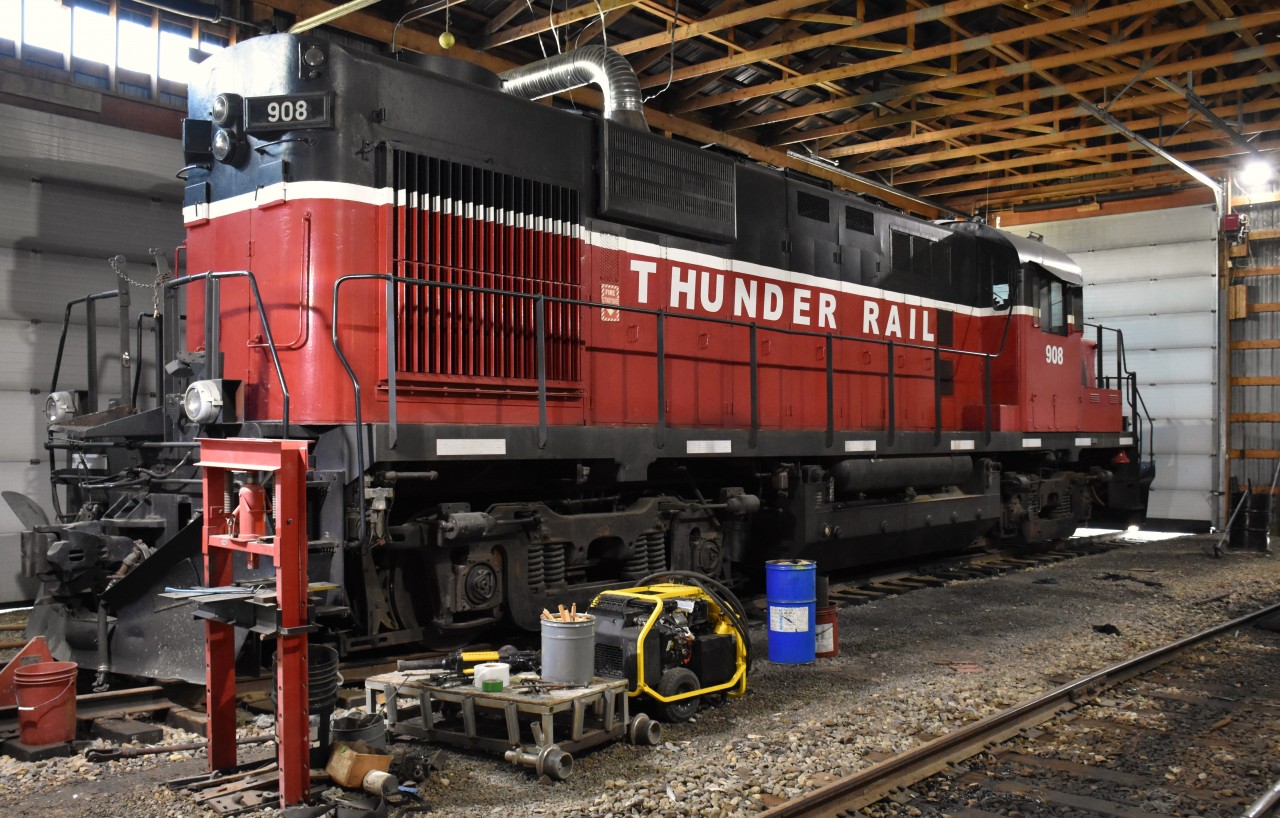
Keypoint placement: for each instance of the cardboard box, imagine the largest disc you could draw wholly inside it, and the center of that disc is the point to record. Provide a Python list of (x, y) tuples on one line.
[(350, 763)]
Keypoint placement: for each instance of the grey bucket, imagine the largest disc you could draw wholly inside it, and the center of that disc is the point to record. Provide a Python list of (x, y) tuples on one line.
[(366, 727), (569, 651)]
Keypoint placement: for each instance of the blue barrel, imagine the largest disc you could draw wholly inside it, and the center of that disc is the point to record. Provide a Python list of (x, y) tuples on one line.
[(789, 589)]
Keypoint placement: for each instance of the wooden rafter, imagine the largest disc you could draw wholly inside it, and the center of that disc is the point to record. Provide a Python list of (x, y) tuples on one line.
[(972, 44)]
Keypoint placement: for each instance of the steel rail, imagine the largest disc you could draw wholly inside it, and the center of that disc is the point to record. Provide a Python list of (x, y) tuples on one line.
[(874, 783)]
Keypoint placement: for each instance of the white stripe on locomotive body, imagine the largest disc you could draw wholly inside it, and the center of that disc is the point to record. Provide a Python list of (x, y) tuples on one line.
[(859, 445), (463, 447), (961, 445), (1031, 443), (704, 262), (709, 447), (1084, 441)]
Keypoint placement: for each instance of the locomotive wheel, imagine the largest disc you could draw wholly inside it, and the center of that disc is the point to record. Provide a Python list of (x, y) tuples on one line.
[(675, 681)]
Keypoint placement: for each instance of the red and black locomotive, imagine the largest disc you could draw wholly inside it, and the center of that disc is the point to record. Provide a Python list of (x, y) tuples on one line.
[(540, 354)]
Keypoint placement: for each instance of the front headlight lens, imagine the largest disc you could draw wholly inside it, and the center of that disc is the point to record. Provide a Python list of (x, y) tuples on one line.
[(224, 145), (60, 406), (202, 402)]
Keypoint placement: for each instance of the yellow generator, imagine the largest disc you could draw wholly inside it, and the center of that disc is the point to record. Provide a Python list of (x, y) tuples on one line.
[(673, 643)]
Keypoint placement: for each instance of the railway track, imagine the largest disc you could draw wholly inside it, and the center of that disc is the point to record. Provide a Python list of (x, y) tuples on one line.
[(860, 588), (1192, 734)]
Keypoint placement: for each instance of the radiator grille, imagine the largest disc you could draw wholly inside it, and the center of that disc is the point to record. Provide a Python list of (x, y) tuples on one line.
[(863, 221), (470, 226), (659, 183), (813, 207)]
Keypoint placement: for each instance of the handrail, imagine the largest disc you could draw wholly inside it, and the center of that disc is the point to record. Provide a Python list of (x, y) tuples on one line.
[(212, 349), (1124, 378), (91, 341)]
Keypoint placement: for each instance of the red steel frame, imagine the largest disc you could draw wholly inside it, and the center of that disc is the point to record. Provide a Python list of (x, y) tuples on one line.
[(287, 459)]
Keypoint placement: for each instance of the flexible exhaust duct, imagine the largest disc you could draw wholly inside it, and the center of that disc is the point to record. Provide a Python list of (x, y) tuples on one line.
[(590, 65)]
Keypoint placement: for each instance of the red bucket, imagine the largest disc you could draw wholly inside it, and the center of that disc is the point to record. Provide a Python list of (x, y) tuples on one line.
[(827, 632), (46, 702)]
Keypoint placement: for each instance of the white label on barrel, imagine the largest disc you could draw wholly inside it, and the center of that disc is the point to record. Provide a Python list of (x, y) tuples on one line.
[(788, 620), (824, 638)]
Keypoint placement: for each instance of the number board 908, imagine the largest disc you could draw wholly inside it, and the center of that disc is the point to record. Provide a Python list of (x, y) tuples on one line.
[(287, 113)]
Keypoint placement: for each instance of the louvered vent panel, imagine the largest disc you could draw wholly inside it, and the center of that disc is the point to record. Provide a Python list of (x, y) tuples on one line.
[(469, 226)]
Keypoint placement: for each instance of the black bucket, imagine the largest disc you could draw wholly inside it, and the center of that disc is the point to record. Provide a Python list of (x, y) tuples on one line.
[(322, 693)]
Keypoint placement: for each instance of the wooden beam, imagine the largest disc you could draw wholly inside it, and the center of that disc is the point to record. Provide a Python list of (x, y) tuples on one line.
[(1068, 154), (1254, 454), (1268, 380), (1187, 197), (848, 36), (712, 24), (1264, 235), (1264, 306), (1110, 167), (962, 46), (594, 8), (1255, 417), (1053, 138), (1124, 104), (1254, 272), (1266, 343)]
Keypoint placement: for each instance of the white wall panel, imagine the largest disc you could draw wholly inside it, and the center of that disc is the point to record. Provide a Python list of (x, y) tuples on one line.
[(1167, 333), (1193, 366), (1166, 504), (1154, 276), (72, 194), (1147, 297), (57, 147), (1148, 229), (1159, 262), (1186, 435), (58, 217), (38, 285)]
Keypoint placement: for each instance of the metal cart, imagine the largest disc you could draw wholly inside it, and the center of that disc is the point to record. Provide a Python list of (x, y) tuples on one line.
[(530, 722)]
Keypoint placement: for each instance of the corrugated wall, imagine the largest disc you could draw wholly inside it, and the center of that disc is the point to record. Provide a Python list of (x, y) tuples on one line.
[(1154, 276), (1260, 273), (72, 194)]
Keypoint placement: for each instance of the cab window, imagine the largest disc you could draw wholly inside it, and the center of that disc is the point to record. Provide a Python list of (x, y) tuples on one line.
[(1052, 306)]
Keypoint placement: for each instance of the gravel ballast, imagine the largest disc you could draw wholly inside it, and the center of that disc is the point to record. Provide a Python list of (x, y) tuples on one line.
[(911, 667)]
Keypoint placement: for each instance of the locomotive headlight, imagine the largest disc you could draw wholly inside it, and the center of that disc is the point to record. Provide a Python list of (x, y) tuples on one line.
[(202, 402), (225, 107), (225, 145), (60, 406)]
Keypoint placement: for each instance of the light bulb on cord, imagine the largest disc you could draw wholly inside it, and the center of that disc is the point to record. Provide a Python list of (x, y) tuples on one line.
[(1256, 173)]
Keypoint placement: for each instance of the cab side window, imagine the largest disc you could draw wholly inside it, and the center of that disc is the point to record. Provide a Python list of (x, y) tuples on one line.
[(1053, 306)]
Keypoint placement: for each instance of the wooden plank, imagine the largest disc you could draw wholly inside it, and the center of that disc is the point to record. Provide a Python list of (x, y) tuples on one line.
[(845, 37), (1265, 380), (718, 23), (1080, 802), (1001, 73), (1237, 301), (1254, 454), (1265, 306), (566, 17), (1064, 23), (1265, 235), (1254, 272), (1264, 343)]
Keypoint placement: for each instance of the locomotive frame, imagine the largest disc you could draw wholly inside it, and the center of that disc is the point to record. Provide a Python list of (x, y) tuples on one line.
[(596, 354)]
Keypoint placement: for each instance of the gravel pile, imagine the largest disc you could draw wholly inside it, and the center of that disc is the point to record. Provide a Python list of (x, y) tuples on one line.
[(911, 667)]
